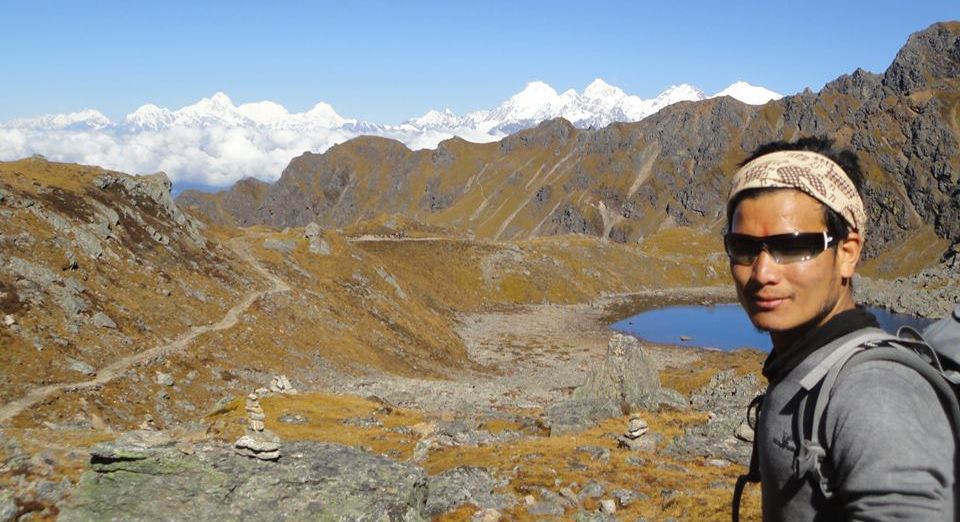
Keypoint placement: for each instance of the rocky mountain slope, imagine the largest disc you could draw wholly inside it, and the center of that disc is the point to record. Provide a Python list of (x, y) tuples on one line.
[(628, 180), (121, 312)]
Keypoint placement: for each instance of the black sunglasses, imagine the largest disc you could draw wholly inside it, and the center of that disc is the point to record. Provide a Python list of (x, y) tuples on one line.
[(783, 248)]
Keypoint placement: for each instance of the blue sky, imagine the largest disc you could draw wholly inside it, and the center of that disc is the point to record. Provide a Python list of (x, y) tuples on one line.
[(392, 60)]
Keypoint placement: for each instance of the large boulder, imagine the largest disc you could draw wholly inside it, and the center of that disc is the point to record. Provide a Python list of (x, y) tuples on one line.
[(149, 478), (627, 376)]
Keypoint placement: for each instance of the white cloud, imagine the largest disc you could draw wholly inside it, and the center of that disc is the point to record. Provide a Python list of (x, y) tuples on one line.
[(213, 142)]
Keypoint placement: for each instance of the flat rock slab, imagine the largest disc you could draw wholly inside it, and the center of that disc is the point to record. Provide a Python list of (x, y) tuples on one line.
[(313, 481)]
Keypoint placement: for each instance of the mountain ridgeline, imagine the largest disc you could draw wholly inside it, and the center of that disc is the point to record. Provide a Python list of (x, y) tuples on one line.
[(629, 180)]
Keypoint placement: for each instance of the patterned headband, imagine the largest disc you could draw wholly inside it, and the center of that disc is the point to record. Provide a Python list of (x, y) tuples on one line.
[(809, 172)]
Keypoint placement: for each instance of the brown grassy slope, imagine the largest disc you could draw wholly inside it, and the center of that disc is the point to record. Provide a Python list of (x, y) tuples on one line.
[(152, 278)]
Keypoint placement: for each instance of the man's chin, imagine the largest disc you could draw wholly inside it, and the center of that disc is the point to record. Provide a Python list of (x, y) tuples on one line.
[(769, 322)]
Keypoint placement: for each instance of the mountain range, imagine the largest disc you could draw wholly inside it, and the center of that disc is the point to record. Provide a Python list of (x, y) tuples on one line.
[(600, 104), (627, 181), (215, 142)]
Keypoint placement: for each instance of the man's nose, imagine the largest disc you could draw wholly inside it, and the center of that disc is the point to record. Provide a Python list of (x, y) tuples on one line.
[(765, 269)]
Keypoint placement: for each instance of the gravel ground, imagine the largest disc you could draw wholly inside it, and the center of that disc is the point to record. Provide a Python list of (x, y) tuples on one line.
[(534, 355)]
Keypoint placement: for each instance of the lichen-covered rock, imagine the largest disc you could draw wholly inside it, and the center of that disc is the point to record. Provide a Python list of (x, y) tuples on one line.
[(316, 481), (318, 244), (464, 485), (626, 376)]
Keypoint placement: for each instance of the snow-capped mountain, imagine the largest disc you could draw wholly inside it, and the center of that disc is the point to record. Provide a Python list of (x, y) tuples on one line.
[(87, 119), (216, 142), (748, 94), (219, 111)]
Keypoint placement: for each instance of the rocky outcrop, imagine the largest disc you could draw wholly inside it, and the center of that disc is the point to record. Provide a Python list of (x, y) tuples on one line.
[(625, 381), (315, 481), (932, 293), (628, 180), (726, 434)]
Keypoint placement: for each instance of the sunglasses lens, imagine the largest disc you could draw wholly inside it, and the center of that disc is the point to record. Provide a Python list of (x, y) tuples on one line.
[(783, 248), (792, 249), (742, 250)]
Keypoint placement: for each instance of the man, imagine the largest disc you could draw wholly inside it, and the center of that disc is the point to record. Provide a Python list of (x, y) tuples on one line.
[(796, 228)]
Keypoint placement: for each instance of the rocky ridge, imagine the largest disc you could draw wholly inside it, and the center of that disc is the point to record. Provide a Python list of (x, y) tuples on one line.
[(626, 181)]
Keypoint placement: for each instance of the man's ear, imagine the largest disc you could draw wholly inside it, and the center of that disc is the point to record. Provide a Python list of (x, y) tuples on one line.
[(848, 252)]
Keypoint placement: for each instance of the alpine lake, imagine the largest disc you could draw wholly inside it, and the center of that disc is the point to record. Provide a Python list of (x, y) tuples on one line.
[(724, 326)]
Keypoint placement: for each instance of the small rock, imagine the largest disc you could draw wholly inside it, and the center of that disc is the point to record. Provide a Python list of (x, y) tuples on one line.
[(424, 429), (486, 515), (280, 384), (718, 463), (595, 452), (422, 450), (637, 427), (625, 497), (8, 507), (292, 419), (608, 506), (744, 432), (53, 492), (70, 263), (529, 500), (571, 497), (592, 489), (164, 379), (102, 320), (638, 444), (262, 445), (9, 320), (545, 508), (80, 366)]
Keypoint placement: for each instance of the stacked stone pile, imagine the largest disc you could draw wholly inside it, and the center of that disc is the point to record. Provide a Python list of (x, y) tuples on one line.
[(634, 439), (258, 442), (280, 384)]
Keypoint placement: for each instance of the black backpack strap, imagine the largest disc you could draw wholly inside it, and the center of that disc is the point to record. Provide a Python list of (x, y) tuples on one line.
[(753, 472)]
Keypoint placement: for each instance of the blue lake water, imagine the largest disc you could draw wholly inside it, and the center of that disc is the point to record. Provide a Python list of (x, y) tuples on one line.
[(725, 326)]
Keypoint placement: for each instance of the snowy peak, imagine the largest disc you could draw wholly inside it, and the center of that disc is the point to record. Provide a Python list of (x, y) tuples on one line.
[(216, 110), (682, 92), (150, 117), (87, 119), (599, 89), (749, 94), (434, 119)]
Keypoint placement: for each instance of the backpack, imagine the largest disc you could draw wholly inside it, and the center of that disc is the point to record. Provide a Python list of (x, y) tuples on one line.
[(934, 354)]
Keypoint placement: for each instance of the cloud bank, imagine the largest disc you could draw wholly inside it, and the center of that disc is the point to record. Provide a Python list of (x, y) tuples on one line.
[(215, 143)]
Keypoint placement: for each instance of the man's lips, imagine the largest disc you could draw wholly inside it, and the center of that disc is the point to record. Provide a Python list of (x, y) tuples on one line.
[(767, 303)]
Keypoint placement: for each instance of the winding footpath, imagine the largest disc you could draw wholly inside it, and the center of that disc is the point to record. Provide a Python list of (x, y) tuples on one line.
[(108, 373)]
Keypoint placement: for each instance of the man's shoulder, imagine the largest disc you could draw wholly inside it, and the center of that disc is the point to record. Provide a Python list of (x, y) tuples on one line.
[(825, 355)]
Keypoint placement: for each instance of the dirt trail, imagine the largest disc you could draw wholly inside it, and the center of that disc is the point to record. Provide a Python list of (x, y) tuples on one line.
[(108, 373)]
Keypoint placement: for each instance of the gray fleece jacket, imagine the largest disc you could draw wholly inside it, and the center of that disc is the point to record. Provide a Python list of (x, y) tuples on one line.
[(890, 448)]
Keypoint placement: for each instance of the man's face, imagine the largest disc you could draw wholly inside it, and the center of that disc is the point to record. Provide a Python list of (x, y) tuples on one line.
[(779, 298)]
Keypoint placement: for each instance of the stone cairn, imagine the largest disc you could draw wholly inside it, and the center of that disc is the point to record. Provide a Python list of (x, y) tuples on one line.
[(259, 442), (634, 439), (280, 384)]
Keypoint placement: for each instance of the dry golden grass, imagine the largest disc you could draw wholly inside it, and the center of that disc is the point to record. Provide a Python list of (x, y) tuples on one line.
[(325, 415), (529, 463), (691, 377)]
